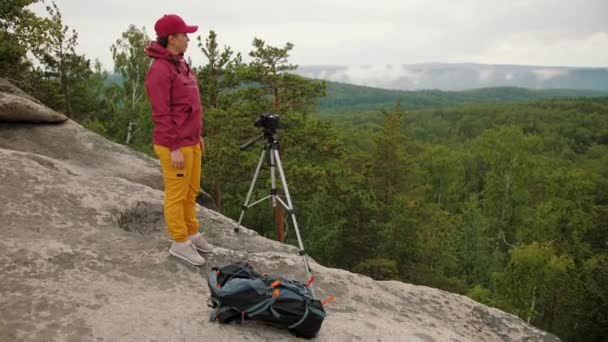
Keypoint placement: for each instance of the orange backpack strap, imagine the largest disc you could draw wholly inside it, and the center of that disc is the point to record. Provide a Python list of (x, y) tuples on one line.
[(310, 281), (328, 299)]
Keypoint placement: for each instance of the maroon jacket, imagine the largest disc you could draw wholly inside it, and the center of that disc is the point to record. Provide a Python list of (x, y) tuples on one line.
[(177, 112)]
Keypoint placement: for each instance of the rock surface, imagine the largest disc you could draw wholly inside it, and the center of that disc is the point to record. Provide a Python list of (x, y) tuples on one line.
[(8, 87), (17, 106), (83, 257)]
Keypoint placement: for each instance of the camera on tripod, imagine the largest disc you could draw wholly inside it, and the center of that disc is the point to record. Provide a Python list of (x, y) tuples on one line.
[(268, 121), (269, 124)]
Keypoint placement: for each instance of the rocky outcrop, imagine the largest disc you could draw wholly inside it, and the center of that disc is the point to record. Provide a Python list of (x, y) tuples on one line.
[(9, 88), (83, 257), (17, 106)]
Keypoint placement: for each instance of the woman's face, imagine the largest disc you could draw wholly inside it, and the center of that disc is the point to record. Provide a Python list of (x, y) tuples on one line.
[(179, 41)]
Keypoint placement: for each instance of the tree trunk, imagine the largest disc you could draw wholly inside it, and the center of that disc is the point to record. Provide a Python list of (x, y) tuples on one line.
[(440, 189), (217, 197), (532, 305), (129, 132), (63, 81), (132, 114)]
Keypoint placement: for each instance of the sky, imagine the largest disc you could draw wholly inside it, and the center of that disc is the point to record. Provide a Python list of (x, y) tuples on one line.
[(380, 32)]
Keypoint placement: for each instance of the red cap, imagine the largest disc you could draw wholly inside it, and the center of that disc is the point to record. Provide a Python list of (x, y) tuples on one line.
[(172, 23)]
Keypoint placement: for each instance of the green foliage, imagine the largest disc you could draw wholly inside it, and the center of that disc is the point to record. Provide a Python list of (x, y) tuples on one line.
[(345, 102), (473, 246), (540, 286), (57, 75), (593, 307), (132, 64), (390, 159), (62, 69), (378, 268), (288, 92), (445, 176), (220, 75), (503, 155), (481, 295), (21, 31)]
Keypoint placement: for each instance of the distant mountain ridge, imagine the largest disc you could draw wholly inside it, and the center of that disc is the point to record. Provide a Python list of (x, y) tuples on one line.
[(461, 76), (349, 98)]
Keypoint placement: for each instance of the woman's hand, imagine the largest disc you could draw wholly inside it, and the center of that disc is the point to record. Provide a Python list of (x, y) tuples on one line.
[(177, 159)]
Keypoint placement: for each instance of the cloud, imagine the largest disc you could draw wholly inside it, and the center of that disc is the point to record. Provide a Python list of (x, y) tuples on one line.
[(547, 74), (486, 75), (377, 76), (378, 32), (591, 50)]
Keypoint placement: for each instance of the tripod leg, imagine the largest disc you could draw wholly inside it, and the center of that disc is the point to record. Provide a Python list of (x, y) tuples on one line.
[(246, 204), (273, 178), (278, 210), (290, 209)]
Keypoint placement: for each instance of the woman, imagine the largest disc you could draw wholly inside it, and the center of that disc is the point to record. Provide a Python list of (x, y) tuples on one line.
[(177, 115)]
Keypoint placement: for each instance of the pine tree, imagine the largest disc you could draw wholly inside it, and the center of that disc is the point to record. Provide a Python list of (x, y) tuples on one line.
[(221, 73)]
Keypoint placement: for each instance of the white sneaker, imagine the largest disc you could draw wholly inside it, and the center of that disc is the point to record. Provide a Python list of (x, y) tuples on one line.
[(186, 251), (199, 242)]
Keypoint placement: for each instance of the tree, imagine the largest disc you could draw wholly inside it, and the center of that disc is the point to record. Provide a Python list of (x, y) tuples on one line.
[(504, 170), (63, 71), (132, 64), (565, 213), (399, 236), (443, 170), (593, 310), (288, 92), (220, 74), (393, 158), (534, 283), (13, 51), (21, 31), (473, 247)]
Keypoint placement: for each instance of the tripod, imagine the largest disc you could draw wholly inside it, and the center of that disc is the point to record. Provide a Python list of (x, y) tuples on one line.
[(271, 153)]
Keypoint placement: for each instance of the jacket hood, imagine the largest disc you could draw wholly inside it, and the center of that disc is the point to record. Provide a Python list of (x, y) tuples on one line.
[(156, 50)]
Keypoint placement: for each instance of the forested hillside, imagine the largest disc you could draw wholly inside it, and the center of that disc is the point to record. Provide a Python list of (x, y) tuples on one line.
[(349, 98)]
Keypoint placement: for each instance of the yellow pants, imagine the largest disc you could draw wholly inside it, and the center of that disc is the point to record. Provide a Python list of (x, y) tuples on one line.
[(181, 188)]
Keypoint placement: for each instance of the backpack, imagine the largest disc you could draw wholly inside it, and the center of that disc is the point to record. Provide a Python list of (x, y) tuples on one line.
[(239, 292)]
